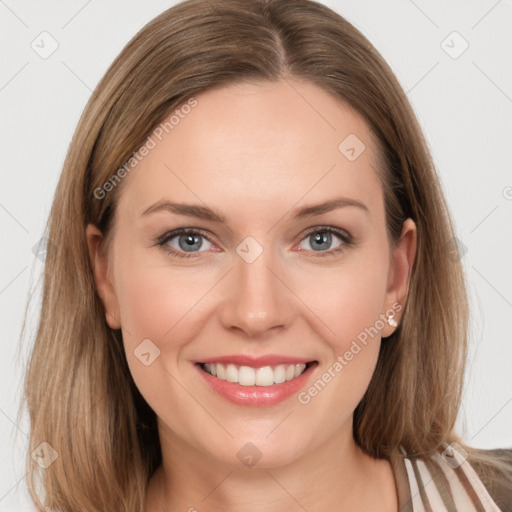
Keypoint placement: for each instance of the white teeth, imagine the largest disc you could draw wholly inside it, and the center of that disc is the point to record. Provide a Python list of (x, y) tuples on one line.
[(279, 374), (299, 368), (219, 370), (247, 376), (231, 373), (264, 376)]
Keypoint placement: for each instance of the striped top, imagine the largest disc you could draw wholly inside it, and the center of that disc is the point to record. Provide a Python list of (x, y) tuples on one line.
[(445, 483)]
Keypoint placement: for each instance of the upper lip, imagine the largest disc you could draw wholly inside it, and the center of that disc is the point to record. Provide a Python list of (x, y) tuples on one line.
[(256, 361)]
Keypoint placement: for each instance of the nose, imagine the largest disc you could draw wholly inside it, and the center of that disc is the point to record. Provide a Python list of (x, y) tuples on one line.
[(256, 298)]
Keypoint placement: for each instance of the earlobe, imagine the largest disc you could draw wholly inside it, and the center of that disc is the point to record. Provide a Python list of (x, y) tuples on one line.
[(100, 267)]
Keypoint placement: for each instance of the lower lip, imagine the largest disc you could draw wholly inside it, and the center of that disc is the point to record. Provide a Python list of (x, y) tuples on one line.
[(256, 396)]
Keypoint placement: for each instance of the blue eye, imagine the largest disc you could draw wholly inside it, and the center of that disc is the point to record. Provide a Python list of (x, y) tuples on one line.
[(321, 240), (189, 242), (326, 241), (184, 243)]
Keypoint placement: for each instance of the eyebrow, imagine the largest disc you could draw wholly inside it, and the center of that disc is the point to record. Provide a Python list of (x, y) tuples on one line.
[(206, 213), (191, 210), (333, 204)]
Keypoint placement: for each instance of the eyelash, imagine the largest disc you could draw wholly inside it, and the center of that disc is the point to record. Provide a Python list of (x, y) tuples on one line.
[(346, 238)]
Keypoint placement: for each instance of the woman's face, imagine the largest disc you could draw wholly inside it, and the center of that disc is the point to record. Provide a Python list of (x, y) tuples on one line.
[(286, 260)]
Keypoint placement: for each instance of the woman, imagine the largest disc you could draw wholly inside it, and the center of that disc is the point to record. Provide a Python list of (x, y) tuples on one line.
[(248, 301)]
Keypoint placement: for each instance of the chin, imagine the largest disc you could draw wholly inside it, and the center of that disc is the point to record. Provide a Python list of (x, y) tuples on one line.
[(262, 451)]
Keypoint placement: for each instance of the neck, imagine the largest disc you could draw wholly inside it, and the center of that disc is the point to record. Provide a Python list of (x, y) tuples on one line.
[(334, 476)]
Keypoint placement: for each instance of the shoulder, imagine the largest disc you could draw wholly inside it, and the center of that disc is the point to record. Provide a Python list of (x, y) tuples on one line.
[(494, 468), (456, 479)]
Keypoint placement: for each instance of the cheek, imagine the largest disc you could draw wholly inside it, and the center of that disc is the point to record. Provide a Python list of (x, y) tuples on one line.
[(163, 305), (350, 306), (348, 299), (348, 302), (159, 304), (156, 299)]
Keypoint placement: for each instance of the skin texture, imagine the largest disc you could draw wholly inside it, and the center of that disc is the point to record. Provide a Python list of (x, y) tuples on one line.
[(254, 153)]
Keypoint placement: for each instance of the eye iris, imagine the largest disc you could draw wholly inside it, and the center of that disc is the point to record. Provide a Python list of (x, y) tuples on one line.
[(321, 238), (190, 241)]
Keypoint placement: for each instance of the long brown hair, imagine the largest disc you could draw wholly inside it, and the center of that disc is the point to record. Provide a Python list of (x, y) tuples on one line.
[(78, 380)]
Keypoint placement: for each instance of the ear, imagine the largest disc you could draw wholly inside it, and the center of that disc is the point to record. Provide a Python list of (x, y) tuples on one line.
[(102, 277), (399, 274)]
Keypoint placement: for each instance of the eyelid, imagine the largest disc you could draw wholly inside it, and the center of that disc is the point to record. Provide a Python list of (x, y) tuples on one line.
[(172, 233), (346, 238), (161, 241), (339, 231)]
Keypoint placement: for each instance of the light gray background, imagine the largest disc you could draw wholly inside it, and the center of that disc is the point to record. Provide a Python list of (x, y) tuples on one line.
[(464, 105)]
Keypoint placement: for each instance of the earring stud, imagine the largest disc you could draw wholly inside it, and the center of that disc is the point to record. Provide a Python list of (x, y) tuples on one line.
[(391, 320)]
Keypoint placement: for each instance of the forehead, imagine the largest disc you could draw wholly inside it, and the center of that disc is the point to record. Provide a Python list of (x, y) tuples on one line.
[(271, 143)]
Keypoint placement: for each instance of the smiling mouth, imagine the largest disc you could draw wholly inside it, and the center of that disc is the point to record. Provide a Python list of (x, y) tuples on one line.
[(262, 376)]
